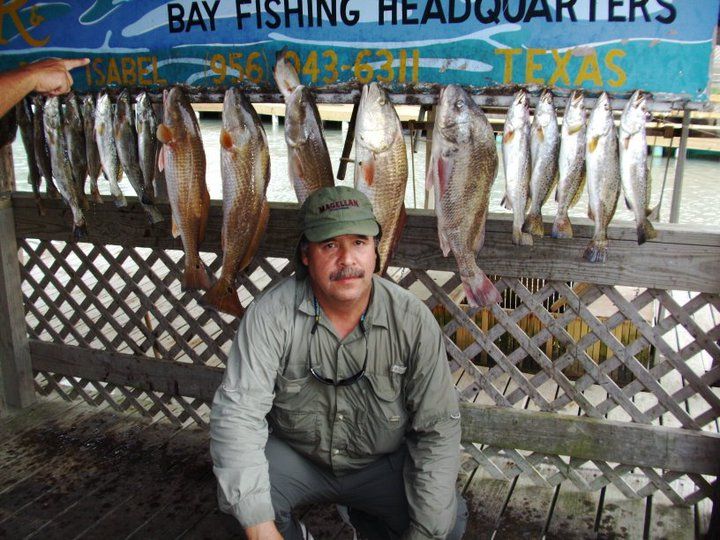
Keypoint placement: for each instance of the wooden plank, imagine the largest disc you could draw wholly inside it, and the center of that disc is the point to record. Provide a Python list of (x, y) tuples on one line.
[(485, 499), (16, 378), (592, 438), (151, 374), (574, 513), (621, 517), (680, 257), (527, 510)]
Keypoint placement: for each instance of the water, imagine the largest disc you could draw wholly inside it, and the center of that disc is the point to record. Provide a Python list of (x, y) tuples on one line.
[(700, 193)]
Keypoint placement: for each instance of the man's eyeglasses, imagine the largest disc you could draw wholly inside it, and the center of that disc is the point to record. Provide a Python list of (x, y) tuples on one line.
[(352, 379)]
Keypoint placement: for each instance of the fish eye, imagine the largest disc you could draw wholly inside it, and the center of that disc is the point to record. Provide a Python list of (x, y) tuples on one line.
[(382, 101), (459, 104)]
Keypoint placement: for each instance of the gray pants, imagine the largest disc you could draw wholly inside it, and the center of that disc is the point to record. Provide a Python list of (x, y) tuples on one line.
[(374, 495)]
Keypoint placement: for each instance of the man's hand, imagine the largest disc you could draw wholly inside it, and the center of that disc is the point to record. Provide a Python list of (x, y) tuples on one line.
[(52, 76), (263, 531)]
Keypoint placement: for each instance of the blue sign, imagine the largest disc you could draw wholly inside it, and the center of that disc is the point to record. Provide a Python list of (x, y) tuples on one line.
[(661, 46)]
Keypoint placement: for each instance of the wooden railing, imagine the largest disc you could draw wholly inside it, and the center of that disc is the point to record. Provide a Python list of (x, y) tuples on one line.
[(106, 321)]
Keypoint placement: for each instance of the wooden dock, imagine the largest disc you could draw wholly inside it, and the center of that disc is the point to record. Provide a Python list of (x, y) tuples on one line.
[(75, 471)]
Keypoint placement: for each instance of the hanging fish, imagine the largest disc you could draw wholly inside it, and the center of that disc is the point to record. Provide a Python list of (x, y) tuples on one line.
[(463, 166), (381, 165), (183, 159), (245, 168)]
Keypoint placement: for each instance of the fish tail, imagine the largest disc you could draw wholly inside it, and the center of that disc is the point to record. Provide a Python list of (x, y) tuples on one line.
[(84, 202), (39, 205), (521, 238), (120, 201), (195, 276), (223, 297), (596, 251), (562, 228), (153, 214), (95, 192), (533, 224), (79, 230), (645, 231), (480, 290)]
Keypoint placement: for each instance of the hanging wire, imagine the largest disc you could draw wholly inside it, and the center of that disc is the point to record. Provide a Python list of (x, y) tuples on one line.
[(667, 169), (411, 127)]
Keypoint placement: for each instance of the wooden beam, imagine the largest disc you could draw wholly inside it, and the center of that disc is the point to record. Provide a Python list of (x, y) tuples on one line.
[(680, 258), (17, 388), (143, 372), (591, 438)]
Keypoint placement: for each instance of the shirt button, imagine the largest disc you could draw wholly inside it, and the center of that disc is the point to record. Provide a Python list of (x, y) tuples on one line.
[(340, 417), (335, 451)]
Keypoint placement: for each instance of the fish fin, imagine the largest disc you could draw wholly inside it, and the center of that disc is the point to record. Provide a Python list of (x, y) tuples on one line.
[(533, 225), (645, 232), (100, 129), (161, 159), (195, 276), (505, 203), (562, 228), (507, 137), (430, 177), (654, 214), (574, 129), (257, 237), (592, 144), (164, 134), (541, 134), (596, 251), (479, 239), (444, 243), (480, 291), (223, 297), (626, 142), (627, 204), (226, 140), (368, 171), (175, 228), (205, 201), (402, 219), (591, 214), (84, 202), (443, 170)]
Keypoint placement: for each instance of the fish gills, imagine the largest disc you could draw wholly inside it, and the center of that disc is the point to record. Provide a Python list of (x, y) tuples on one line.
[(245, 169), (634, 168), (62, 169), (544, 150), (516, 162), (571, 164), (183, 157), (92, 155), (309, 166), (463, 166), (105, 139), (603, 176), (381, 165)]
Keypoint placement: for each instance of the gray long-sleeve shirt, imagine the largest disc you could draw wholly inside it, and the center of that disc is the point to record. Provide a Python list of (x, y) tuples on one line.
[(406, 397)]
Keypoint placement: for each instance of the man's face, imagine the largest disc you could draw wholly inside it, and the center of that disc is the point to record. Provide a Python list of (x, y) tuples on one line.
[(341, 268)]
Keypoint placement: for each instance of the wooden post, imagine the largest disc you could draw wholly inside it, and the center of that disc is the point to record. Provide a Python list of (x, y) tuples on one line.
[(680, 169), (16, 373)]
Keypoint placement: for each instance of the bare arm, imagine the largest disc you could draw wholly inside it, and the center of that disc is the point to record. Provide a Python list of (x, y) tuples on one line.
[(50, 77), (263, 531)]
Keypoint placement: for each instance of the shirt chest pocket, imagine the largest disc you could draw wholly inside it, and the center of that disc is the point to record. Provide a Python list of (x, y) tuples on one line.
[(383, 423), (294, 414)]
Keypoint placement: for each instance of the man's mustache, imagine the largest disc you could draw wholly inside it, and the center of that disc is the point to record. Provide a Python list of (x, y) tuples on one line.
[(347, 273)]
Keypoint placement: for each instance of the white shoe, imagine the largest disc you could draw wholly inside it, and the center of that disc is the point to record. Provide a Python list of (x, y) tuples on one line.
[(305, 533)]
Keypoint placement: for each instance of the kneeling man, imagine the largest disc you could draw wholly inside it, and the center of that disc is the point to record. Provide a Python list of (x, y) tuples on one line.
[(337, 389)]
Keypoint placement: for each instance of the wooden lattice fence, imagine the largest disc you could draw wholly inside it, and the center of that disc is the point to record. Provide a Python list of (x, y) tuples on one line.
[(108, 323)]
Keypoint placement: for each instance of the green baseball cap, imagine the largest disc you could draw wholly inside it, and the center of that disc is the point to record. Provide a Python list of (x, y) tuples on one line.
[(334, 211)]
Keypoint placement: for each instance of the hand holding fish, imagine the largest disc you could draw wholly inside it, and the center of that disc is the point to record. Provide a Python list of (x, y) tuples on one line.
[(51, 76)]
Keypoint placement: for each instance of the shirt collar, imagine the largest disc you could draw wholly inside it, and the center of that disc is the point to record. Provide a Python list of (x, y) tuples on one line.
[(376, 314)]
